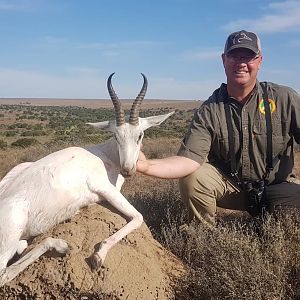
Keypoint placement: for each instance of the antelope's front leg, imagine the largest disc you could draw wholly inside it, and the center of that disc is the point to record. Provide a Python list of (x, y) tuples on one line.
[(117, 200), (96, 260)]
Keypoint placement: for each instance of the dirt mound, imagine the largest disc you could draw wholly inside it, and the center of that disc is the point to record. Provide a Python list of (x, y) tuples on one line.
[(136, 268)]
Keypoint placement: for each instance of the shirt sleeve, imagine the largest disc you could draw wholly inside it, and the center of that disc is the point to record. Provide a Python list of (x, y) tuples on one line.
[(197, 141)]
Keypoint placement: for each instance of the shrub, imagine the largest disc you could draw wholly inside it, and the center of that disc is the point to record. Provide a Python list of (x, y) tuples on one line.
[(33, 133), (10, 133), (24, 142), (3, 144)]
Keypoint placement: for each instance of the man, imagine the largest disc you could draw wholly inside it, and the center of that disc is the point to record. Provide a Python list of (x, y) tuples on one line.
[(232, 156)]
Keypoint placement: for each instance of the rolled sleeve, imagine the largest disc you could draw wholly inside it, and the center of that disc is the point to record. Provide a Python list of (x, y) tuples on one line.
[(197, 141)]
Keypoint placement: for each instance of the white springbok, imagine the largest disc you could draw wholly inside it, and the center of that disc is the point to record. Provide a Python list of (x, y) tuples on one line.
[(35, 196)]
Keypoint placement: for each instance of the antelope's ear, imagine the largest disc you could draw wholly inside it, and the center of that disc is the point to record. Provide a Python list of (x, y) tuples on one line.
[(153, 120), (108, 125)]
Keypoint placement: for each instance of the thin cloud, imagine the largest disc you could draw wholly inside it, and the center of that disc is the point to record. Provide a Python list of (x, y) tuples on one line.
[(119, 46), (89, 85), (279, 17), (118, 49), (84, 72), (17, 5), (171, 88), (32, 84), (294, 44), (202, 54), (53, 40), (108, 50)]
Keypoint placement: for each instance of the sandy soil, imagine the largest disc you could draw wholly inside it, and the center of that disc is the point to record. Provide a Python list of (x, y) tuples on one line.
[(136, 268)]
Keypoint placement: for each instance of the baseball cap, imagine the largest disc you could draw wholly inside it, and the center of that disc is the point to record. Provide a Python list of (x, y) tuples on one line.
[(243, 39)]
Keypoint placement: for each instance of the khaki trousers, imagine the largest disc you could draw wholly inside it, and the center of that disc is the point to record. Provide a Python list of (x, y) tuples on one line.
[(208, 188)]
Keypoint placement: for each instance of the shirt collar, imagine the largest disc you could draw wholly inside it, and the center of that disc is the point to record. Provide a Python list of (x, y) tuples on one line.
[(253, 94)]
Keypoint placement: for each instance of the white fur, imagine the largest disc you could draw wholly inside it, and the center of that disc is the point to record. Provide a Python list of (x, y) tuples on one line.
[(35, 196)]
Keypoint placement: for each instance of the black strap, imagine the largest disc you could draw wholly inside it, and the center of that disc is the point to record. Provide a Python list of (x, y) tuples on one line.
[(233, 167), (268, 118), (269, 160)]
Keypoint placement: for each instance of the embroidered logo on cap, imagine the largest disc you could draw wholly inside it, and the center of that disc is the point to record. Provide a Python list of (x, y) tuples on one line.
[(240, 37)]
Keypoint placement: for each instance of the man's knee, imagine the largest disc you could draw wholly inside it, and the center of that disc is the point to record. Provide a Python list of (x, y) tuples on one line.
[(187, 186), (205, 180), (198, 194)]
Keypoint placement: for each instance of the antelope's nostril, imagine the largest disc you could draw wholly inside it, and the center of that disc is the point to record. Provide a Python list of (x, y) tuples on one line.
[(127, 172)]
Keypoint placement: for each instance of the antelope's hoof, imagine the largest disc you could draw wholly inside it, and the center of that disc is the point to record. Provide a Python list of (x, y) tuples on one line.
[(61, 246), (94, 261)]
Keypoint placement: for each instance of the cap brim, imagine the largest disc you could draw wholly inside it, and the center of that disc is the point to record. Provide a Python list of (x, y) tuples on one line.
[(255, 50)]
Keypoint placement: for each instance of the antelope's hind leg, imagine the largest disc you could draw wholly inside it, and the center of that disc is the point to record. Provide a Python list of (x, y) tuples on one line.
[(16, 268)]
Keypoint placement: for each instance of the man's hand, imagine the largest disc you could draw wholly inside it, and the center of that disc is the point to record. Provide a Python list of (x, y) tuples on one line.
[(142, 164), (142, 156)]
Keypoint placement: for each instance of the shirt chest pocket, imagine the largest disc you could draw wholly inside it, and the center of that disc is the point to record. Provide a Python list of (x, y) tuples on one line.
[(280, 127), (280, 136)]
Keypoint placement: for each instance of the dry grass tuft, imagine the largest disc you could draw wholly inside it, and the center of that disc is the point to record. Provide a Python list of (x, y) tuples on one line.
[(233, 261)]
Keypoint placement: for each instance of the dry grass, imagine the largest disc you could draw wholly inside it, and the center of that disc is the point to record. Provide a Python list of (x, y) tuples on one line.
[(232, 261), (239, 259)]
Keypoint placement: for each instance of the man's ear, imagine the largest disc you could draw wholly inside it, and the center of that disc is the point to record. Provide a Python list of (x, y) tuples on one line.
[(261, 59)]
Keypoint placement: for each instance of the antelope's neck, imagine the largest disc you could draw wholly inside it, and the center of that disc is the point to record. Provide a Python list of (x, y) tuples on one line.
[(108, 152)]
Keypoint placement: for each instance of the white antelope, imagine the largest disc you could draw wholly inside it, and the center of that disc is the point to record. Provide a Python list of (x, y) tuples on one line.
[(36, 196)]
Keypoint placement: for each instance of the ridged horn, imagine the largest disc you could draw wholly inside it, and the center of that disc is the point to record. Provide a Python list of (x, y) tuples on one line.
[(120, 115), (134, 112)]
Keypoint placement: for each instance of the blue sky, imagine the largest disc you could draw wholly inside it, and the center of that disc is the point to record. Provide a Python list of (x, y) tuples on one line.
[(67, 48)]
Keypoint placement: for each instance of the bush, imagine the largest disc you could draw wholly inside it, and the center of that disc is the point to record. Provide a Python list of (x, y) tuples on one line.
[(3, 144), (33, 133), (10, 133), (24, 142)]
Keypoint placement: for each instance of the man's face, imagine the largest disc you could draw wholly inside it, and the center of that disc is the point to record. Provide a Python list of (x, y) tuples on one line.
[(241, 67)]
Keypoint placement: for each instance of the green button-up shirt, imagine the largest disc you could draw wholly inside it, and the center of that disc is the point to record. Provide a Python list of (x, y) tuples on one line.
[(207, 137)]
